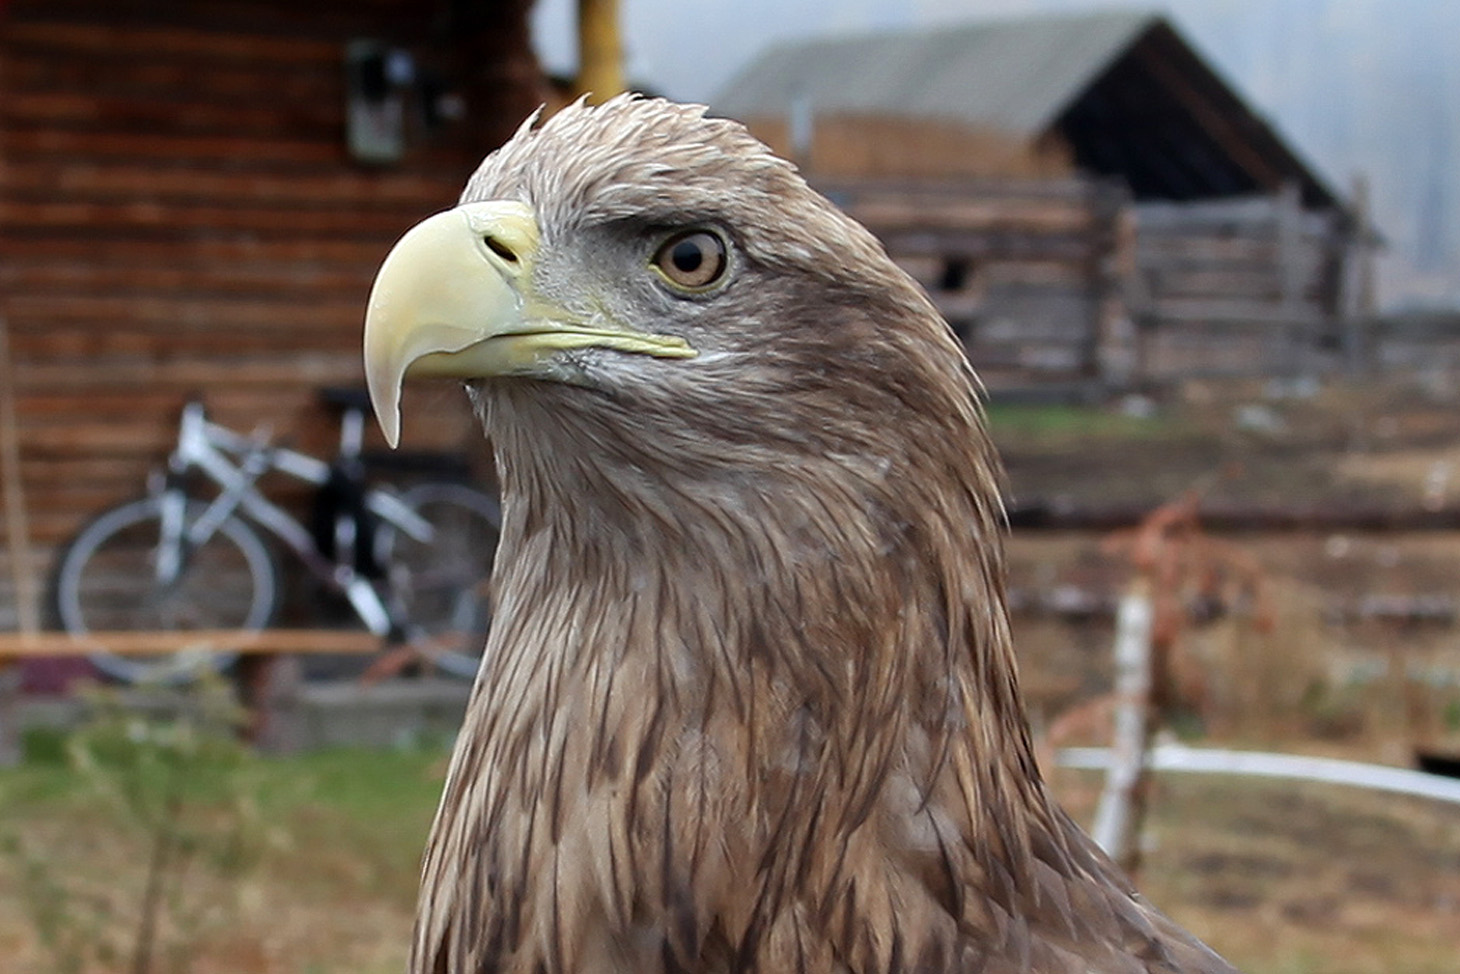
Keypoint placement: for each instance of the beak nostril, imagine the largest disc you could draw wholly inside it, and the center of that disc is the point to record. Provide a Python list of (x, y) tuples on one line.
[(499, 248)]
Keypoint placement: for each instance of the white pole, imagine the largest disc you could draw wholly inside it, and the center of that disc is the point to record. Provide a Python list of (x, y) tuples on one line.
[(1116, 819), (17, 535), (17, 531)]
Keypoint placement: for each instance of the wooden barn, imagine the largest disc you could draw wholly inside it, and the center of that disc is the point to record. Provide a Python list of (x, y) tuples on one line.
[(194, 196), (1087, 199)]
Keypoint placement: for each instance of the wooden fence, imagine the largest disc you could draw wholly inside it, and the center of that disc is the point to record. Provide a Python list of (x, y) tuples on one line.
[(1051, 281), (1239, 287), (1028, 272)]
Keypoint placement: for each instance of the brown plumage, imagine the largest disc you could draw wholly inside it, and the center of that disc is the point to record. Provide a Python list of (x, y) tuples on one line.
[(749, 700)]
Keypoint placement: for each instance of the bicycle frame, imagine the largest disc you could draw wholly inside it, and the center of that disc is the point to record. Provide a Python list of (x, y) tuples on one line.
[(235, 463)]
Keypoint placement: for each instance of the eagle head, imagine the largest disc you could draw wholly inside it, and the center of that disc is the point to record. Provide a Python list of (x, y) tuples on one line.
[(749, 698)]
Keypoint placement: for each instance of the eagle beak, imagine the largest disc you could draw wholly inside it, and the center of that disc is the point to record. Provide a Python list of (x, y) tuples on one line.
[(455, 298)]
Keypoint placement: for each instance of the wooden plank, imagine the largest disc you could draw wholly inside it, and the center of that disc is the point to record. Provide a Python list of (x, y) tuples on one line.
[(106, 179), (86, 497), (107, 432), (1201, 251), (240, 153), (158, 643), (49, 325), (956, 307), (294, 19), (162, 315), (1260, 285), (267, 369), (123, 72), (53, 39), (245, 215), (986, 244), (63, 508), (268, 117), (164, 406), (261, 278), (159, 336), (52, 527), (87, 340), (880, 145), (1294, 266), (1233, 312), (189, 250), (102, 439), (937, 191), (102, 471), (17, 522), (1254, 216), (992, 215), (48, 403), (971, 209), (196, 149)]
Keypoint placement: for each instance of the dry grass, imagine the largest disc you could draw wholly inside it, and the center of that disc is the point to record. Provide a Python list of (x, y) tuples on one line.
[(1285, 879), (329, 884), (1300, 878)]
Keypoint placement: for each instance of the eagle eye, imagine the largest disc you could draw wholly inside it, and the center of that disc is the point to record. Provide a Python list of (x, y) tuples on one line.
[(692, 260)]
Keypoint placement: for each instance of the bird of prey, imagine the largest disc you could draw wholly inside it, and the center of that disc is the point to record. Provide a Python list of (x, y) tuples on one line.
[(748, 703)]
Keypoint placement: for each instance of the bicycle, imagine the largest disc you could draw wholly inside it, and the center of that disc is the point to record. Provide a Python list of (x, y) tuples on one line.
[(411, 565)]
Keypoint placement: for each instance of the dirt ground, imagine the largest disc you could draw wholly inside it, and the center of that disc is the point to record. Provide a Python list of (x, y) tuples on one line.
[(1296, 646), (1394, 443), (1286, 878), (1282, 877)]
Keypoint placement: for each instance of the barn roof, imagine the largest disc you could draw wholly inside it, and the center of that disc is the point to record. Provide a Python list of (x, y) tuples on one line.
[(1130, 96)]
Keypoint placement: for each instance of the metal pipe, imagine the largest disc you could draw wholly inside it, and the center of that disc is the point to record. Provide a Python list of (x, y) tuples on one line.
[(1178, 757)]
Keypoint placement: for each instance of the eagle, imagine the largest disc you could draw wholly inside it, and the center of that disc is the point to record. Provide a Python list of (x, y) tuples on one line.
[(748, 702)]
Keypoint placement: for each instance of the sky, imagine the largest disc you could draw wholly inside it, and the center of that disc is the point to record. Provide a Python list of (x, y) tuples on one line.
[(1356, 86)]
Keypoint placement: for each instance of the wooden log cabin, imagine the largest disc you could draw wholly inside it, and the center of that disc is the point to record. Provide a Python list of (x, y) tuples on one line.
[(1028, 272), (194, 196), (1088, 201)]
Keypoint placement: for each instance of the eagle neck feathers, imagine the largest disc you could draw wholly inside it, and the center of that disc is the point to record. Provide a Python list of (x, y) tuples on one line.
[(747, 710)]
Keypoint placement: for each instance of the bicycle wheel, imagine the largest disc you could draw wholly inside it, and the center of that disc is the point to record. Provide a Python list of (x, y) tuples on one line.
[(441, 584), (106, 580)]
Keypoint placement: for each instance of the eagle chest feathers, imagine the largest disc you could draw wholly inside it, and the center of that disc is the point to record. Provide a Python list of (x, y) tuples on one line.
[(749, 700)]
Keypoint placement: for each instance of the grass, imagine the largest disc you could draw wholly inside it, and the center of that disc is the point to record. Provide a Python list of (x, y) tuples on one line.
[(1283, 879), (1060, 452), (306, 864), (1061, 423)]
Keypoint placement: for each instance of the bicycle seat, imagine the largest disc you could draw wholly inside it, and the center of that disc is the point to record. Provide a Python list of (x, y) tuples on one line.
[(345, 398)]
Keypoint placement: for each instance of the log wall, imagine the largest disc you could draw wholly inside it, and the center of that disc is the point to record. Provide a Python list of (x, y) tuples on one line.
[(179, 216), (1064, 280), (1028, 272), (1239, 287)]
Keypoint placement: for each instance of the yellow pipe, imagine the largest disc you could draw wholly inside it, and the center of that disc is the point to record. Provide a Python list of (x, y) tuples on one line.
[(600, 51)]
